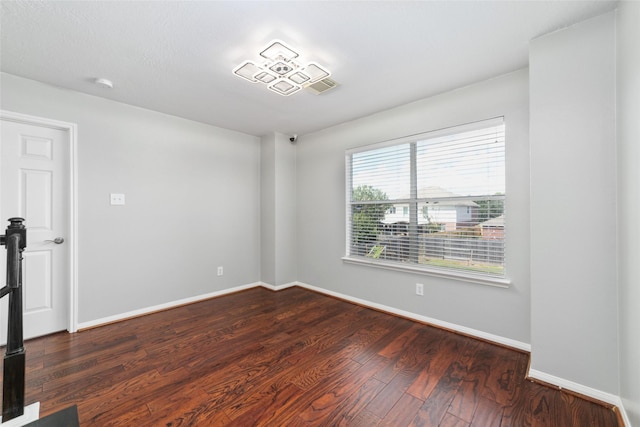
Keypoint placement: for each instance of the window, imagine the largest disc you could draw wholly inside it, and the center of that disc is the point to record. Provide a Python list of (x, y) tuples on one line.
[(450, 185)]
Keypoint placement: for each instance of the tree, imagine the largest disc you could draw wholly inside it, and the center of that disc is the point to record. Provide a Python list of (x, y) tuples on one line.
[(366, 218), (488, 209)]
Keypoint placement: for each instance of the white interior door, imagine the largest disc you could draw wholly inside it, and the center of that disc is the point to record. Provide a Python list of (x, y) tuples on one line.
[(34, 185)]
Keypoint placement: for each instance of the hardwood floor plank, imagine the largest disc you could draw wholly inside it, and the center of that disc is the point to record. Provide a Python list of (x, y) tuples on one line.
[(504, 369), (396, 327), (410, 357), (396, 347), (71, 392), (439, 400), (303, 369), (308, 377), (487, 413), (390, 395), (366, 419), (465, 401), (348, 411), (235, 393), (306, 399), (321, 408), (436, 363), (402, 412), (183, 400), (291, 358), (537, 406), (267, 408), (584, 412), (127, 396), (452, 421)]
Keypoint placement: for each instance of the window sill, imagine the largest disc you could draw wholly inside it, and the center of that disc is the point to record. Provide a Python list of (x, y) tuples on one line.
[(465, 277)]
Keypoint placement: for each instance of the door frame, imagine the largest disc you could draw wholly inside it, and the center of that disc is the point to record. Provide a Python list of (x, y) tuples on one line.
[(72, 132)]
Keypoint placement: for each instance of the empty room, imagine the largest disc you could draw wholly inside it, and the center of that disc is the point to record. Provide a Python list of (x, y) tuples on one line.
[(363, 213)]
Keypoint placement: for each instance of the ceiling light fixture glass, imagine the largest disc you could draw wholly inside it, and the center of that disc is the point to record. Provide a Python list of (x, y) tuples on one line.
[(281, 69)]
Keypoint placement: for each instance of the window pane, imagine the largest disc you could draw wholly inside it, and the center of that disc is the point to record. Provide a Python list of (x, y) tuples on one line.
[(367, 226), (465, 164), (452, 219), (385, 171)]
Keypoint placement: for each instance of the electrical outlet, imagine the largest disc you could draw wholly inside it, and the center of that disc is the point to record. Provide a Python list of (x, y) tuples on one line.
[(419, 289), (220, 271), (117, 199)]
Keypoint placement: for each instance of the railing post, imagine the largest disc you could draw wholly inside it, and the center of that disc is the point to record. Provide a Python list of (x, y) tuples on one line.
[(15, 356)]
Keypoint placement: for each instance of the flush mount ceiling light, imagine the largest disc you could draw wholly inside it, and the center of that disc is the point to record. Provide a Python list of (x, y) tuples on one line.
[(281, 69)]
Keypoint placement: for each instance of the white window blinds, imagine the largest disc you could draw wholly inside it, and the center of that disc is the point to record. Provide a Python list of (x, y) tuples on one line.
[(434, 201)]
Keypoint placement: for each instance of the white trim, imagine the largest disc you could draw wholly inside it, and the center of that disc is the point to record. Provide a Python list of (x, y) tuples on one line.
[(623, 412), (31, 413), (72, 239), (451, 326), (277, 287), (581, 389), (164, 306), (422, 269)]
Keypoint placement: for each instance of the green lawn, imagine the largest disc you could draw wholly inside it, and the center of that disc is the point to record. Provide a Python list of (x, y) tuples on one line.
[(464, 265)]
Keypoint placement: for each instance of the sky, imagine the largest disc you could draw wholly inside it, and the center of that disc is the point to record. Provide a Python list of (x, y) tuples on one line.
[(465, 164)]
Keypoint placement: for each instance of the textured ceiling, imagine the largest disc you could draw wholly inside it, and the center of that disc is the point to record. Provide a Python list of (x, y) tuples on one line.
[(176, 57)]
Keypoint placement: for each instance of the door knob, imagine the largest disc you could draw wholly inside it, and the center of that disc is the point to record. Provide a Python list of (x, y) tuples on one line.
[(57, 240)]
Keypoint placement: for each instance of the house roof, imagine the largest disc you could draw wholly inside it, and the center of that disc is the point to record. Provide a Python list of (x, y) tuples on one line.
[(434, 192), (494, 222)]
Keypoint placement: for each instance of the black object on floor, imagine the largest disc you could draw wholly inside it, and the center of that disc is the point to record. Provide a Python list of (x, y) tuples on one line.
[(66, 418)]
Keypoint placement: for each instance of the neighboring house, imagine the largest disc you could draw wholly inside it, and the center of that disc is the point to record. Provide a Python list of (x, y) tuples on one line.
[(449, 214), (493, 229)]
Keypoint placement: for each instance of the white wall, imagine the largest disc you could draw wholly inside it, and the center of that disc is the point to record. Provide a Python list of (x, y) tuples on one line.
[(268, 209), (278, 208), (321, 211), (285, 201), (628, 110), (192, 193), (573, 205)]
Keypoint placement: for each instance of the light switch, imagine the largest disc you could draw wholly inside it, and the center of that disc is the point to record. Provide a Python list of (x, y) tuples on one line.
[(117, 199)]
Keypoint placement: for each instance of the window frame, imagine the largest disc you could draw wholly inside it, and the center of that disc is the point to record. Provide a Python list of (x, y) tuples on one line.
[(415, 267)]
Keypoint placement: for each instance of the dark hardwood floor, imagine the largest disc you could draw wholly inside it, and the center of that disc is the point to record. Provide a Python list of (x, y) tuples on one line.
[(295, 358)]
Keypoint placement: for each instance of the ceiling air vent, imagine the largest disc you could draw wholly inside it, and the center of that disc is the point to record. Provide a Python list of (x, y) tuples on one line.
[(322, 86)]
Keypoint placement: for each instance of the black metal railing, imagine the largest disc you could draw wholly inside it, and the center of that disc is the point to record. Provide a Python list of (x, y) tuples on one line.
[(15, 240)]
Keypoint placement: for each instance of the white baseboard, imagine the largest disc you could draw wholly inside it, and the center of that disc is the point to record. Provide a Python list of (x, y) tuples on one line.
[(462, 329), (581, 389), (31, 413), (632, 407), (277, 287), (165, 306), (446, 325)]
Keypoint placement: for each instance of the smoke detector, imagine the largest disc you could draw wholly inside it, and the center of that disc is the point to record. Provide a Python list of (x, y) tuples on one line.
[(104, 82)]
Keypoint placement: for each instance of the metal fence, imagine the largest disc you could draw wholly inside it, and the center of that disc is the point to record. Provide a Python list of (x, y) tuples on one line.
[(475, 250), (397, 248)]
